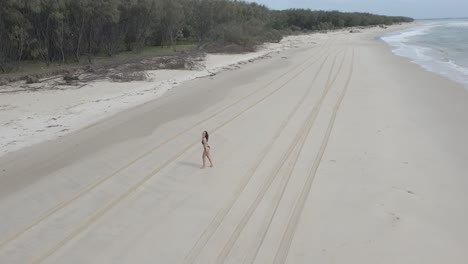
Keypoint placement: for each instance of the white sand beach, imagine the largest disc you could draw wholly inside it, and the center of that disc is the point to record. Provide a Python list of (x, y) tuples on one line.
[(330, 149), (30, 114)]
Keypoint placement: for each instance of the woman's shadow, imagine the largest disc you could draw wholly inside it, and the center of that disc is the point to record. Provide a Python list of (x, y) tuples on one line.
[(190, 164)]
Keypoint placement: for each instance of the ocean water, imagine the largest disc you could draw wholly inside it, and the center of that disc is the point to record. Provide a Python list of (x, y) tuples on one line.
[(440, 46)]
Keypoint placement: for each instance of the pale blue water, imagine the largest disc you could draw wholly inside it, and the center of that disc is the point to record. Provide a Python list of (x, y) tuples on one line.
[(440, 46)]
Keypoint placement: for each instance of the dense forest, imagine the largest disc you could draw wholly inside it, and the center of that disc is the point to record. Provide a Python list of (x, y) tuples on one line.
[(66, 31)]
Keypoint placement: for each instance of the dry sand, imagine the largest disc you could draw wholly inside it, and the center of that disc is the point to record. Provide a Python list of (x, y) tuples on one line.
[(34, 113), (333, 152)]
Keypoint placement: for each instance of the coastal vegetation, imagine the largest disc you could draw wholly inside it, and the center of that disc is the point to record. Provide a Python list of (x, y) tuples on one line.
[(70, 31)]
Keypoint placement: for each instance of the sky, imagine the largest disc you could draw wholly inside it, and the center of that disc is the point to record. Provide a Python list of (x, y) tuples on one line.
[(418, 9)]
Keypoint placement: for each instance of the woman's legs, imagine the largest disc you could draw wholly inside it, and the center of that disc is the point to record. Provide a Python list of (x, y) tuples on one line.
[(209, 157), (203, 159)]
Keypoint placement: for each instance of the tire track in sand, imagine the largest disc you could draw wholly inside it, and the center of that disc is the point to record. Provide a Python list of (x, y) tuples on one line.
[(285, 245), (218, 219), (48, 213), (298, 141), (282, 188), (101, 212)]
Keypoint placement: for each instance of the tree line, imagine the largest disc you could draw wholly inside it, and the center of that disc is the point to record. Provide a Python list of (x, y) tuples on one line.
[(75, 30)]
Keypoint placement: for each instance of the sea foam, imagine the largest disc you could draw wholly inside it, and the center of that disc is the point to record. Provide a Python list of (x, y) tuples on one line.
[(439, 46)]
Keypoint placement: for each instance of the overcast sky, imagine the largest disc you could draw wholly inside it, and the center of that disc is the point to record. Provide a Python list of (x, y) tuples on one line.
[(412, 8)]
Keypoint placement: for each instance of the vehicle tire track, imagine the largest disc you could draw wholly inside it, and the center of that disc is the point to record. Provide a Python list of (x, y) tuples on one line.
[(282, 188), (94, 185), (217, 220), (298, 140), (99, 213), (285, 245)]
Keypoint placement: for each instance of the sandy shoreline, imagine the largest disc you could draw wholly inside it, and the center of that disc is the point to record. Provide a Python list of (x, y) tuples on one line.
[(336, 151)]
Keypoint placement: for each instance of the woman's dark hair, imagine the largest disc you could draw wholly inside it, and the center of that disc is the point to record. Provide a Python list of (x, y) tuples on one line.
[(206, 135)]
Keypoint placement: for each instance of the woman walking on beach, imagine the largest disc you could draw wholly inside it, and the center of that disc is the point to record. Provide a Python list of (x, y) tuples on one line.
[(206, 149)]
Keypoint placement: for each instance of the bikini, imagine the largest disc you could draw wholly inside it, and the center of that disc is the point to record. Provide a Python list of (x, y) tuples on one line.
[(206, 144)]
